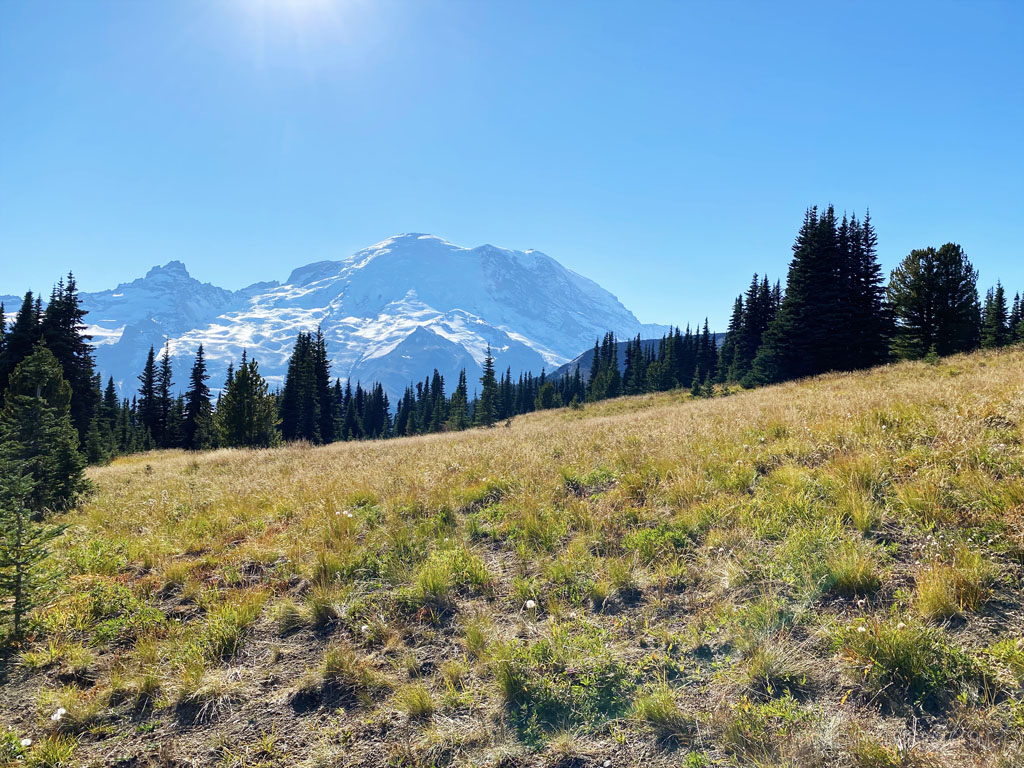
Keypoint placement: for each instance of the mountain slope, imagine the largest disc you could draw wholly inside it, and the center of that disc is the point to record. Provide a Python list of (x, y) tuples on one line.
[(791, 576), (390, 312)]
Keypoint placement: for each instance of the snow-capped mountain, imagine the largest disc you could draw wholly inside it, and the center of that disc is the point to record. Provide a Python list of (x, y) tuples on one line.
[(391, 313)]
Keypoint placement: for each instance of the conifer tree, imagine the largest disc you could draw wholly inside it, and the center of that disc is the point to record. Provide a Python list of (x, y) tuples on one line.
[(247, 414), (486, 409), (37, 437), (934, 299), (199, 433), (148, 406), (20, 338), (165, 400), (802, 338), (995, 319), (458, 410), (63, 328), (24, 545), (322, 381)]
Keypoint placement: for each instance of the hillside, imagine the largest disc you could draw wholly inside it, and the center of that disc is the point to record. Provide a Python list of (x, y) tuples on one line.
[(821, 573)]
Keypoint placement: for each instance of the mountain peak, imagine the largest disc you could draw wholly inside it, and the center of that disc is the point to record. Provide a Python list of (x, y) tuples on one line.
[(173, 268)]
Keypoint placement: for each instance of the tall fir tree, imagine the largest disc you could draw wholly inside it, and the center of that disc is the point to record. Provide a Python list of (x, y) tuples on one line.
[(486, 410), (148, 407), (995, 329), (165, 399), (199, 433), (20, 338), (63, 328)]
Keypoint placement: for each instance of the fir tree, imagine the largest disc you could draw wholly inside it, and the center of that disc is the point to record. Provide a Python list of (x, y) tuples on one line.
[(458, 409), (20, 338), (148, 407), (37, 437), (995, 319), (63, 328), (199, 433), (24, 546), (165, 400), (486, 409), (247, 415)]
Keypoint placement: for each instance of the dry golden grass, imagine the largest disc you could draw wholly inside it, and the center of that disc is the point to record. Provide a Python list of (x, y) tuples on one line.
[(609, 573)]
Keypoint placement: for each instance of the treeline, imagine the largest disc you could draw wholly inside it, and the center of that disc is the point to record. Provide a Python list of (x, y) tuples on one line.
[(835, 312)]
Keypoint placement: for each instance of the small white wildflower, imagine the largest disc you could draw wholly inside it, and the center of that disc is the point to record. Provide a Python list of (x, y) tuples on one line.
[(365, 628), (530, 605), (26, 742), (901, 625), (56, 716), (862, 602), (337, 512), (862, 628)]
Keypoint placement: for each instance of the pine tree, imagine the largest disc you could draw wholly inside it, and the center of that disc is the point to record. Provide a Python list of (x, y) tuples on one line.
[(24, 546), (486, 409), (934, 299), (995, 319), (37, 437)]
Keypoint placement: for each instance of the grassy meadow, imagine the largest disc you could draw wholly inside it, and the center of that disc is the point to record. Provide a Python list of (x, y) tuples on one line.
[(821, 573)]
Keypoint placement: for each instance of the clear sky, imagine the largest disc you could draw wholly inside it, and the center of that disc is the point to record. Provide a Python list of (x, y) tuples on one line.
[(665, 149)]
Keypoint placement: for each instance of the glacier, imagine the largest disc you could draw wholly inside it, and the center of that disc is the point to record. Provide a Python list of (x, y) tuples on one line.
[(392, 313)]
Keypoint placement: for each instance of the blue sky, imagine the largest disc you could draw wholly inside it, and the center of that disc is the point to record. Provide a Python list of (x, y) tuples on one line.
[(665, 149)]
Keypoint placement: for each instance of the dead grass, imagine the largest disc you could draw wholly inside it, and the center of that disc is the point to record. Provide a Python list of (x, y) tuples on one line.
[(537, 580)]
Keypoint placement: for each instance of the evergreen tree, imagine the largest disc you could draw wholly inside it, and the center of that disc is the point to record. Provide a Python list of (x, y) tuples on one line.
[(37, 437), (486, 409), (802, 339), (63, 328), (165, 400), (199, 433), (995, 319), (247, 414), (148, 407), (870, 319), (20, 338), (458, 409), (24, 546), (934, 299), (322, 381)]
